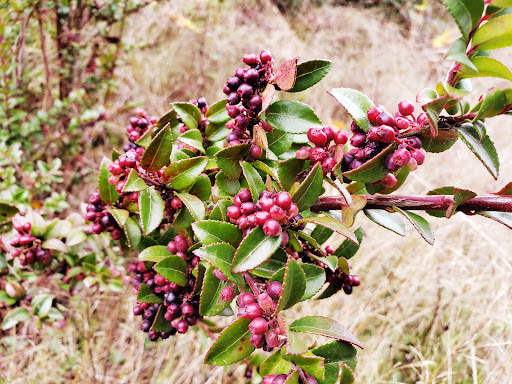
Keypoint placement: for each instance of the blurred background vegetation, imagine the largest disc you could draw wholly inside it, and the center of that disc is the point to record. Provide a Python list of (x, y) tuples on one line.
[(71, 72)]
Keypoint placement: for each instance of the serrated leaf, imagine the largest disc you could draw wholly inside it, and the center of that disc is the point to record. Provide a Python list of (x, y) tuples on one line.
[(374, 169), (227, 185), (229, 158), (482, 148), (268, 268), (288, 171), (194, 205), (292, 116), (443, 141), (41, 304), (221, 255), (211, 304), (433, 109), (232, 345), (285, 74), (133, 233), (457, 53), (193, 138), (356, 104), (15, 316), (211, 231), (256, 185), (217, 113), (487, 67), (279, 141), (419, 223), (146, 295), (504, 218), (311, 240), (332, 224), (107, 191), (466, 13), (275, 364), (154, 254), (267, 97), (348, 249), (119, 215), (493, 103), (151, 208), (174, 269), (145, 140), (309, 73), (158, 152), (184, 173), (335, 353), (315, 280), (160, 324), (324, 327), (310, 189), (312, 364), (134, 183), (188, 113), (496, 33), (255, 249), (506, 190), (202, 188), (294, 286), (388, 220), (445, 89)]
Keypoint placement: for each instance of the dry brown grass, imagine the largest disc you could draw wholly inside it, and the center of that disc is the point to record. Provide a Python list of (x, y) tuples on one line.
[(438, 314)]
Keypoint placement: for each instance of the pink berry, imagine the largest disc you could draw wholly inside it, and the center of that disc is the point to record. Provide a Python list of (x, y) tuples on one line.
[(341, 138), (272, 228), (265, 57), (358, 140), (245, 298), (253, 310), (329, 250), (171, 247), (398, 159), (329, 133), (266, 203), (406, 107), (373, 113), (265, 301), (250, 59), (283, 200), (303, 153), (258, 326), (261, 217), (402, 123), (418, 155), (317, 154), (389, 181), (293, 211), (182, 326), (245, 195), (242, 222), (317, 136), (181, 243), (227, 294), (176, 203), (272, 339), (275, 289), (257, 341), (385, 118), (422, 119), (234, 212), (277, 213), (256, 151), (187, 309), (247, 208)]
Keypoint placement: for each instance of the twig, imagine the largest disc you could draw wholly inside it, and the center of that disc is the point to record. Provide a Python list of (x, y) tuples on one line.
[(47, 99)]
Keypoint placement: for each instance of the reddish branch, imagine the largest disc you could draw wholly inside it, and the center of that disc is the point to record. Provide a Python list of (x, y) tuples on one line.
[(434, 203)]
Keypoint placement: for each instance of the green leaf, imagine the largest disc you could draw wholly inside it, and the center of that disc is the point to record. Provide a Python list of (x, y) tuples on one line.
[(443, 141), (419, 223), (275, 364), (334, 353), (146, 295), (433, 109), (8, 209), (457, 53), (134, 183), (119, 215), (151, 208), (279, 141), (154, 254), (229, 158), (388, 220), (501, 3), (348, 249), (324, 327), (193, 138), (217, 113), (292, 116), (314, 365), (311, 240), (332, 224), (115, 286), (445, 89), (145, 139), (15, 316), (504, 218), (41, 304), (310, 189), (158, 152), (174, 269), (321, 234), (487, 67), (107, 191), (188, 113), (211, 304), (287, 172), (166, 119), (506, 190), (315, 280), (309, 73), (255, 249), (227, 185), (294, 286), (184, 173), (55, 244), (374, 169), (466, 13), (284, 76), (75, 237), (268, 268), (496, 33), (493, 102), (202, 188), (232, 345), (356, 104), (221, 255), (160, 324), (482, 148), (194, 205), (254, 180), (211, 231), (133, 233)]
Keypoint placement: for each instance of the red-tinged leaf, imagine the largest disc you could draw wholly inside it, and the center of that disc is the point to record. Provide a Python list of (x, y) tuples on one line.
[(374, 169), (294, 286), (174, 269), (227, 185), (433, 109), (184, 173), (146, 295), (229, 158), (443, 141), (419, 223), (193, 138), (293, 378), (484, 148), (221, 255), (487, 67), (158, 153), (217, 113), (356, 104), (151, 208), (255, 249), (459, 196), (254, 181), (504, 218), (349, 213), (267, 97), (199, 272), (232, 345), (134, 183), (285, 74), (133, 233), (348, 249), (211, 304), (211, 232), (119, 215), (188, 113), (496, 33), (457, 53), (310, 189), (194, 205), (275, 364), (466, 13), (309, 73), (388, 220), (332, 224), (315, 280), (324, 327), (492, 104), (335, 352), (279, 142), (154, 254), (506, 190), (311, 240), (445, 89), (312, 364), (202, 188), (107, 191)]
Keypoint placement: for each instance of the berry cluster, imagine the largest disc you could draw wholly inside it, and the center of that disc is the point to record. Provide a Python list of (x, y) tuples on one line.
[(271, 211), (28, 248), (281, 379), (103, 221), (181, 308), (323, 151), (244, 98), (386, 130), (265, 330), (139, 124)]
